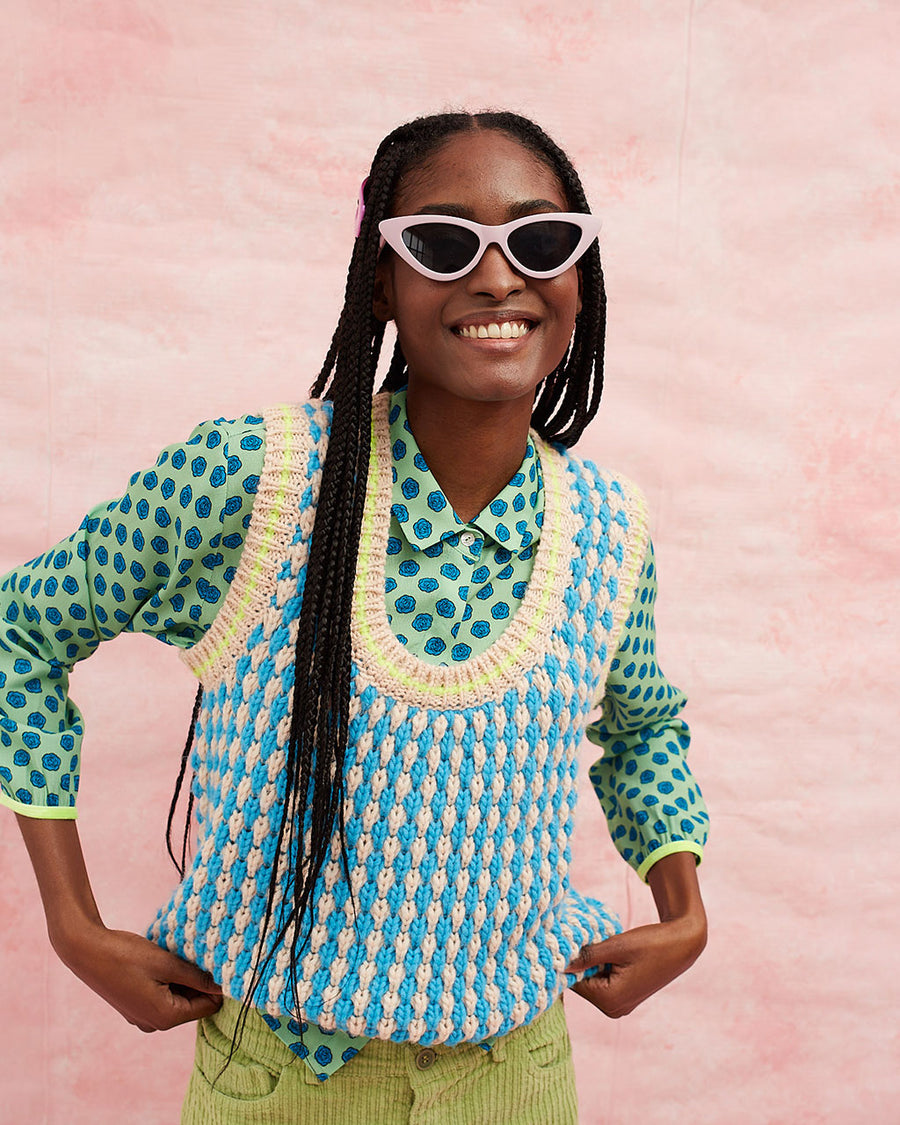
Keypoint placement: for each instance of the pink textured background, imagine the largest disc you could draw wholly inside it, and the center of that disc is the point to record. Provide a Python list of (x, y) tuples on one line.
[(177, 188)]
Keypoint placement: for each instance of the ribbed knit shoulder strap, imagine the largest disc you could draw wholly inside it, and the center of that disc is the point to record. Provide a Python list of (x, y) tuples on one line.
[(620, 508), (296, 440)]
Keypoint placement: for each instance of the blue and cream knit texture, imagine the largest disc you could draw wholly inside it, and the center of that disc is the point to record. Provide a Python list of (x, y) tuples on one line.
[(457, 920)]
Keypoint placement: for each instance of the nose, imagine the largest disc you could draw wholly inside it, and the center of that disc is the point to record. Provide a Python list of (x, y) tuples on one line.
[(494, 276)]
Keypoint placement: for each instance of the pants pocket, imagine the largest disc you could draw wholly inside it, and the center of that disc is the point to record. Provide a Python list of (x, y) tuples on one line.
[(241, 1077), (548, 1051)]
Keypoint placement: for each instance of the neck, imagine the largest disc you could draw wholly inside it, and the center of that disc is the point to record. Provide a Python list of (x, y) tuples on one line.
[(472, 448)]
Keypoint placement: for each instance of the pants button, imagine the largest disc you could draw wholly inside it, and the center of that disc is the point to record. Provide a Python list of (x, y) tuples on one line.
[(425, 1059)]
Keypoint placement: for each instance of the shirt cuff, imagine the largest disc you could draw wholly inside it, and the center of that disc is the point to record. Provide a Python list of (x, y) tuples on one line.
[(39, 812), (663, 850)]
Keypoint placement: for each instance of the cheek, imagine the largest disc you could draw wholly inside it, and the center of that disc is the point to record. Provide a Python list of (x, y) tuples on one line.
[(419, 321), (409, 323), (416, 300), (566, 299)]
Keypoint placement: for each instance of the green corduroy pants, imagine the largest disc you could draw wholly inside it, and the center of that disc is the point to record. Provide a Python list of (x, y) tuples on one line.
[(526, 1079)]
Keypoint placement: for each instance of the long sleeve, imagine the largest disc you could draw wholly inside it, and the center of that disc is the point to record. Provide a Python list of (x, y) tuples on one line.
[(652, 803), (156, 560)]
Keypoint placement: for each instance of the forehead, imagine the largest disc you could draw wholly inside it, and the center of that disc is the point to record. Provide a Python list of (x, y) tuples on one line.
[(483, 171)]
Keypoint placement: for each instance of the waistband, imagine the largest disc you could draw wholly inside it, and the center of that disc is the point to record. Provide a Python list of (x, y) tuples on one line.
[(259, 1042)]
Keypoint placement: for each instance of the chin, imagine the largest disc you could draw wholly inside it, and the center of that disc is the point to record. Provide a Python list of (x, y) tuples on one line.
[(497, 390)]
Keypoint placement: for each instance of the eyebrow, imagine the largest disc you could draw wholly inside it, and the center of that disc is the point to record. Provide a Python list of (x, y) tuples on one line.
[(516, 211)]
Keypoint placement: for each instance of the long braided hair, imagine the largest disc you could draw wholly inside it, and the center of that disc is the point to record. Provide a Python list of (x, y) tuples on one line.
[(566, 400)]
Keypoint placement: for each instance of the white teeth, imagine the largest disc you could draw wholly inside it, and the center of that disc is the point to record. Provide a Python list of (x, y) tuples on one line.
[(505, 330)]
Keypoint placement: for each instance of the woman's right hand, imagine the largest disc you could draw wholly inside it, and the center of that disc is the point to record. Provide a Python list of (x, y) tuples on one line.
[(152, 988)]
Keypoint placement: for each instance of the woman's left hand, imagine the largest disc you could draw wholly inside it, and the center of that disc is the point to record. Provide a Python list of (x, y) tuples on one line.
[(641, 961)]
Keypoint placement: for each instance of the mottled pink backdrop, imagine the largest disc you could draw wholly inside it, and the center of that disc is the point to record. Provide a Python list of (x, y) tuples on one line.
[(178, 181)]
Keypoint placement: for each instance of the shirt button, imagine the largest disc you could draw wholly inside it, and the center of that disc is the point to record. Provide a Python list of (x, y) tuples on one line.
[(425, 1059), (467, 538)]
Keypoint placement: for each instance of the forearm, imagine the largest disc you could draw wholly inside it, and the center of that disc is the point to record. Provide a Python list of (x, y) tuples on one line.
[(676, 892), (56, 856)]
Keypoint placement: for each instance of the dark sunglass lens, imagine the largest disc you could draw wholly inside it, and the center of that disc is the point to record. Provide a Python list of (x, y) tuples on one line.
[(441, 247), (544, 246)]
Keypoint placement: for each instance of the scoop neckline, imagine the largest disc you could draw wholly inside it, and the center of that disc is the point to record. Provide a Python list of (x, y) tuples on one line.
[(386, 663)]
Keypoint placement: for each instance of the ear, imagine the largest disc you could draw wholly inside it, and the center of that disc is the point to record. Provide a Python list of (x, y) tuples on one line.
[(383, 291)]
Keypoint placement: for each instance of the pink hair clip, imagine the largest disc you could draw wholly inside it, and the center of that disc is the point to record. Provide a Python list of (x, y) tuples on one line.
[(361, 206)]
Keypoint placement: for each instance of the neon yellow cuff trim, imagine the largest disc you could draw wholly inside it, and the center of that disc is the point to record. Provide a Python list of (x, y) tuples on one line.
[(39, 812), (669, 849)]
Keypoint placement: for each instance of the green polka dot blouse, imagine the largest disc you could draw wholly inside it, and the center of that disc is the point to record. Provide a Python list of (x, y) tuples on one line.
[(452, 587)]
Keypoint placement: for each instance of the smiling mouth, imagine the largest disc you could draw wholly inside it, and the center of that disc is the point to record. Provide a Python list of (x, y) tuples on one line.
[(499, 330)]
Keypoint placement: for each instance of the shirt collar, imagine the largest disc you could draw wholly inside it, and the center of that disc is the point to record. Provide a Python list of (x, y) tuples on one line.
[(513, 518)]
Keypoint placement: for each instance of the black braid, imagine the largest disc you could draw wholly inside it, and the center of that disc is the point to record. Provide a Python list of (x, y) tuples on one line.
[(567, 399), (185, 755)]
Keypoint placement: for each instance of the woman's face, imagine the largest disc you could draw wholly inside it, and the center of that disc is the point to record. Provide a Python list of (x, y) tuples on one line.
[(489, 178)]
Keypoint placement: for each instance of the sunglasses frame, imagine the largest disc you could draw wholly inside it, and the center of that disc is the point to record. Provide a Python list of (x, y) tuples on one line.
[(392, 233)]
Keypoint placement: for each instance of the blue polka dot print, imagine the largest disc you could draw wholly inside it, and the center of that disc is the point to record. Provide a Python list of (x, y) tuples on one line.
[(156, 560), (323, 1051)]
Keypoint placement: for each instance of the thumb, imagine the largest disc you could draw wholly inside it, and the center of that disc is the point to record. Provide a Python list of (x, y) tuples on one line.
[(607, 952), (193, 1006), (192, 993), (187, 975)]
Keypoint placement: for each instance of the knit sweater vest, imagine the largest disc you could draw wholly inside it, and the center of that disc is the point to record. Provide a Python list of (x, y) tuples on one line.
[(458, 920)]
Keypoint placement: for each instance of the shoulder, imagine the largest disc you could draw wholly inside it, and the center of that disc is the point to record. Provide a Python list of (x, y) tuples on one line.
[(220, 455), (220, 467), (292, 424), (212, 443), (216, 432), (247, 439), (602, 484)]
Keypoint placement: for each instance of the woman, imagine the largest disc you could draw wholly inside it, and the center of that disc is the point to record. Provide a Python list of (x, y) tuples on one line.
[(414, 601)]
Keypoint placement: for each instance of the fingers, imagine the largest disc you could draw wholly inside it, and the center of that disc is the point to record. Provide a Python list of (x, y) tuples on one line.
[(612, 951), (164, 1007), (608, 995), (182, 1007), (152, 988), (641, 961), (190, 976), (203, 1006)]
